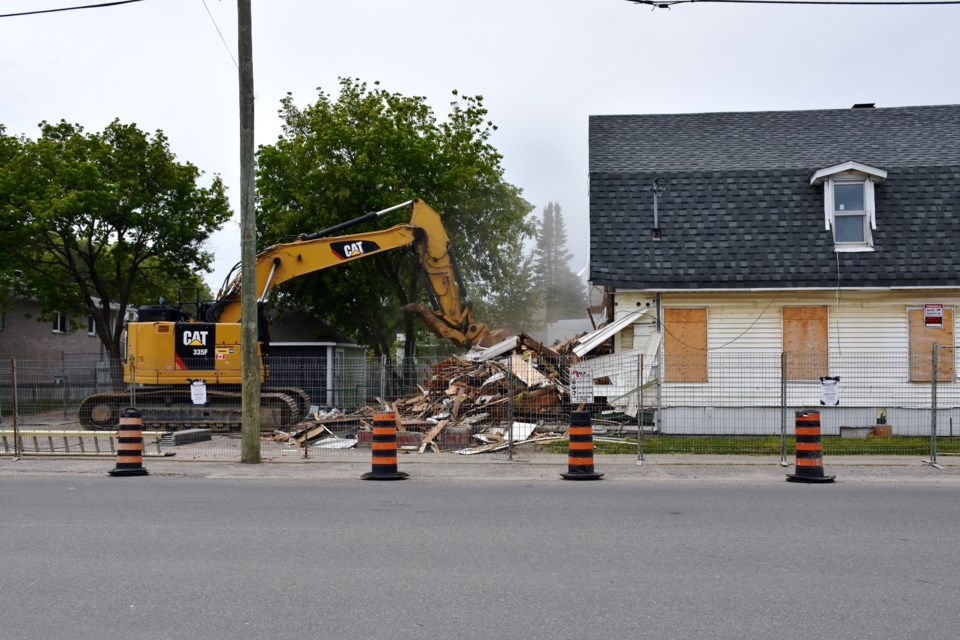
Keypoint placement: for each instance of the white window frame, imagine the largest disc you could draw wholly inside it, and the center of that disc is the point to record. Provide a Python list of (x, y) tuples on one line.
[(845, 174), (61, 323)]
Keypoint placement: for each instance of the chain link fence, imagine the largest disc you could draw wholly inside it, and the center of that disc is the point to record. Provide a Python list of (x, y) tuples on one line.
[(517, 405)]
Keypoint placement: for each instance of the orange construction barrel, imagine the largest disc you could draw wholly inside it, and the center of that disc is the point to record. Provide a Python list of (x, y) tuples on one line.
[(384, 446), (809, 466), (580, 453), (130, 445)]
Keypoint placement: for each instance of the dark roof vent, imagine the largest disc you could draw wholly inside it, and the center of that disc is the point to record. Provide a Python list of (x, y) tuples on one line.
[(864, 105)]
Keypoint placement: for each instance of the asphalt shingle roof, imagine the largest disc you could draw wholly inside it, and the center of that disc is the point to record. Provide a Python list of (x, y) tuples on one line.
[(738, 211)]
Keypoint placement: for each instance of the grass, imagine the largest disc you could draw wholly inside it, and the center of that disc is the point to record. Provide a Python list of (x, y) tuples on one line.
[(767, 445)]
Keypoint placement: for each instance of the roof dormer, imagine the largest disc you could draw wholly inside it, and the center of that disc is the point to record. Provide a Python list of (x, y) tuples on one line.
[(848, 203)]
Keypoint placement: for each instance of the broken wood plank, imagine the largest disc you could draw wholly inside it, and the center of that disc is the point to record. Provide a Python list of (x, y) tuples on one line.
[(525, 371), (311, 433), (498, 446), (429, 436)]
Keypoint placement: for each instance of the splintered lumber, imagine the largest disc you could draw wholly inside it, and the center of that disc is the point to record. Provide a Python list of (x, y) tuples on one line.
[(538, 400), (445, 371), (429, 436), (524, 369), (397, 420), (566, 347), (499, 446), (537, 347), (309, 434), (456, 405), (474, 418)]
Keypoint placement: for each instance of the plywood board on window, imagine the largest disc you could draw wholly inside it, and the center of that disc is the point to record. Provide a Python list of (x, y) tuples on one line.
[(685, 345), (922, 339), (805, 342)]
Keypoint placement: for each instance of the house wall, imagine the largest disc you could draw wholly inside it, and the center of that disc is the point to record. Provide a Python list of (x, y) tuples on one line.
[(868, 348), (24, 337), (752, 322)]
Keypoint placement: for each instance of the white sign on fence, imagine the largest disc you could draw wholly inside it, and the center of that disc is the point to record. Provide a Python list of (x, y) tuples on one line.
[(830, 391), (198, 391), (581, 385)]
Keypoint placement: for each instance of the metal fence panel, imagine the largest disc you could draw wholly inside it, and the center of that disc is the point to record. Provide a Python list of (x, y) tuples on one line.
[(736, 406)]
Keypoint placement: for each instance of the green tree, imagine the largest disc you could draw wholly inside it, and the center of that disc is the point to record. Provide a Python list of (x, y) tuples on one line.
[(10, 148), (101, 220), (371, 149), (562, 294)]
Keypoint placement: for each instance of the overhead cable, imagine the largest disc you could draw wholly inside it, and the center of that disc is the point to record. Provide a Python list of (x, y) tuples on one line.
[(666, 4), (86, 6)]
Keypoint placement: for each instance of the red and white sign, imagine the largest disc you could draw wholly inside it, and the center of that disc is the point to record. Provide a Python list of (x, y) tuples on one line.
[(933, 316)]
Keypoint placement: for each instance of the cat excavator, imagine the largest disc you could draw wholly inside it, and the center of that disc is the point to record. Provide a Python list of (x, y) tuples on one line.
[(169, 350)]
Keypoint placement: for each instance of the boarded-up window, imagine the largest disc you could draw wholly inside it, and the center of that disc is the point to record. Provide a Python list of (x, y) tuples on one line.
[(685, 345), (922, 339), (805, 342)]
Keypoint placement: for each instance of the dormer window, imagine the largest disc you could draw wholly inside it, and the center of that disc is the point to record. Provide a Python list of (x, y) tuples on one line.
[(850, 213), (848, 204)]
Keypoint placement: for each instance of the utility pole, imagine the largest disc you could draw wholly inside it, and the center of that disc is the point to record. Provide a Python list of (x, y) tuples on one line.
[(250, 360)]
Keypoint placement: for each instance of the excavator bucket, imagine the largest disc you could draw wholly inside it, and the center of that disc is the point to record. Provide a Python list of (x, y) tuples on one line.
[(471, 335)]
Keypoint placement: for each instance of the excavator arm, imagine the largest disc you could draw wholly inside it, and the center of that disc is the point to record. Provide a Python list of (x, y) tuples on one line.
[(448, 316)]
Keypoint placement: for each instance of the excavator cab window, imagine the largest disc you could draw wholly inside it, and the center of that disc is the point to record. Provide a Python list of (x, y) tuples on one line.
[(158, 313), (189, 307)]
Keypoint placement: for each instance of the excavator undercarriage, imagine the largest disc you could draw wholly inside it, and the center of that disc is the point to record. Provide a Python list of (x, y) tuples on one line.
[(171, 409)]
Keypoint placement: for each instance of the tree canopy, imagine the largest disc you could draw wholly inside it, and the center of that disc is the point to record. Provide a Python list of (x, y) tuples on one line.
[(97, 221), (368, 150)]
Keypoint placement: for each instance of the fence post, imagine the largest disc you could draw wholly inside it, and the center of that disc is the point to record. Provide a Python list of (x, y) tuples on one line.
[(783, 409), (510, 409), (658, 412), (17, 448), (934, 357), (640, 442), (383, 378), (133, 377)]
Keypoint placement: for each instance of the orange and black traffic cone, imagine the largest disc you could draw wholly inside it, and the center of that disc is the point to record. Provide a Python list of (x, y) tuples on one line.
[(809, 450), (580, 454), (130, 445), (384, 448)]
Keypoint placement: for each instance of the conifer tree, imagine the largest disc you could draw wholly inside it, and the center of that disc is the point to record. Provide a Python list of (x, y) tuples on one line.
[(560, 289)]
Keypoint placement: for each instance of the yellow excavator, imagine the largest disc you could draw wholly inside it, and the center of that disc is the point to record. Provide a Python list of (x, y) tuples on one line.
[(169, 350)]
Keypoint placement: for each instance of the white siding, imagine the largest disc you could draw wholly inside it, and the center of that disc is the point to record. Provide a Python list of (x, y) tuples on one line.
[(868, 345), (751, 321)]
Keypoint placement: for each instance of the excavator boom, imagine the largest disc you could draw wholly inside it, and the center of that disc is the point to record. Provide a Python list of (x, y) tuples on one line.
[(450, 316)]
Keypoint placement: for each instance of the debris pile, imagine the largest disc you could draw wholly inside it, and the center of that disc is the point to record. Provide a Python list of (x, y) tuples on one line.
[(466, 400)]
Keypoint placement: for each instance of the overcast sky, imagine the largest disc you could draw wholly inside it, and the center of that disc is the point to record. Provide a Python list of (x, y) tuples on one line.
[(543, 67)]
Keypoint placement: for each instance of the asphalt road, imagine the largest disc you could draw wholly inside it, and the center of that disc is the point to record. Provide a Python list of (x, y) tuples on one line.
[(91, 557)]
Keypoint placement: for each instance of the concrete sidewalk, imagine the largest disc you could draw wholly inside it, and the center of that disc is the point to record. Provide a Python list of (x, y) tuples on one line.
[(617, 469)]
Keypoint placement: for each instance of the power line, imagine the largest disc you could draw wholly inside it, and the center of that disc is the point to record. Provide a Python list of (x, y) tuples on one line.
[(666, 329), (86, 6), (217, 27), (666, 4)]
